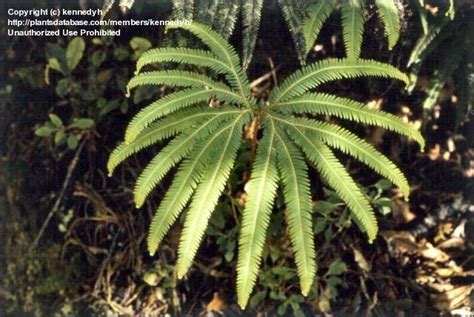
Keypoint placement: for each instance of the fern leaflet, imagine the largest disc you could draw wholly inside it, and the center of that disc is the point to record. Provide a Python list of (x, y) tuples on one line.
[(256, 216)]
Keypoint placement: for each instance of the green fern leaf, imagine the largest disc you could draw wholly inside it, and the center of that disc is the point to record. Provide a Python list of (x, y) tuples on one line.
[(226, 17), (348, 109), (169, 156), (338, 178), (261, 191), (353, 27), (170, 104), (210, 188), (296, 186), (177, 78), (206, 11), (442, 74), (205, 140), (423, 46), (183, 56), (252, 12), (293, 12), (223, 51), (351, 144), (183, 9), (388, 12), (318, 13), (184, 184), (318, 73), (163, 129)]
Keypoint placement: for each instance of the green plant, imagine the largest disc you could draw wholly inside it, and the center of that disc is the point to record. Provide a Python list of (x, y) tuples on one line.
[(70, 134), (205, 137), (440, 57), (82, 83), (304, 19)]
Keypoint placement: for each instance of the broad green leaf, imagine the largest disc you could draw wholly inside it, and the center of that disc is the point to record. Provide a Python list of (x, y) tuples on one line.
[(44, 131), (74, 52), (55, 120), (72, 141), (82, 123), (140, 45)]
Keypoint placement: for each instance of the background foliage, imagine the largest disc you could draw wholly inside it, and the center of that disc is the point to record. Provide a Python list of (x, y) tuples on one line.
[(72, 242)]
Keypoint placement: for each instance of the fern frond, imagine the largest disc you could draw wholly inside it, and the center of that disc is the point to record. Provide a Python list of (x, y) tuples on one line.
[(163, 129), (169, 156), (207, 11), (293, 12), (224, 51), (183, 9), (442, 74), (251, 14), (338, 178), (317, 13), (297, 194), (208, 192), (353, 27), (352, 145), (183, 56), (425, 45), (348, 109), (178, 78), (388, 12), (421, 10), (261, 190), (226, 17), (170, 104), (205, 140), (327, 70), (184, 184)]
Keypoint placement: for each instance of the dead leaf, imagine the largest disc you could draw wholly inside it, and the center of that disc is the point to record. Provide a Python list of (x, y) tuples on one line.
[(425, 279), (445, 271), (217, 304), (401, 211), (452, 243), (441, 287), (432, 253), (434, 152), (361, 261), (453, 298), (400, 241)]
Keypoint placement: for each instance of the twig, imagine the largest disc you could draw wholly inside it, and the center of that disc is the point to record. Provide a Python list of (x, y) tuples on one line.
[(264, 77), (274, 70), (106, 261), (57, 203)]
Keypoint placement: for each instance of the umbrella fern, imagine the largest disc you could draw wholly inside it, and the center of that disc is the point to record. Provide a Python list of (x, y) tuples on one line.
[(204, 140), (353, 20), (304, 18)]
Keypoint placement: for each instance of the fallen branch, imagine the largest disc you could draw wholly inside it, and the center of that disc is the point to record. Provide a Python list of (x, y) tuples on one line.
[(57, 203)]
